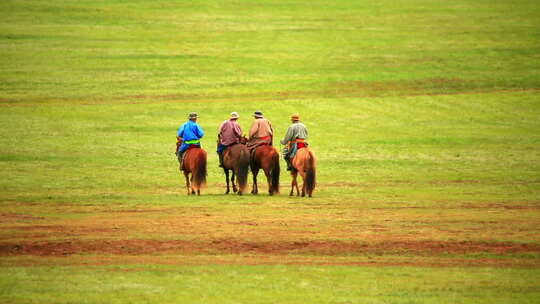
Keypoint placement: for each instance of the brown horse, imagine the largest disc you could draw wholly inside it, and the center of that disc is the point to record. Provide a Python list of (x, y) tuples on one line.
[(267, 158), (304, 163), (194, 163), (236, 159)]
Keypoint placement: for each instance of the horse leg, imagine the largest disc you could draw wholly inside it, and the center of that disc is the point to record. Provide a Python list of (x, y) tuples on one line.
[(293, 184), (186, 174), (303, 184), (296, 184), (269, 179), (233, 183), (227, 180), (255, 189), (192, 189)]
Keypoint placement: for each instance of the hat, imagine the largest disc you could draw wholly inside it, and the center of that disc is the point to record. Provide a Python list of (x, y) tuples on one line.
[(193, 115), (258, 114), (295, 117), (234, 115)]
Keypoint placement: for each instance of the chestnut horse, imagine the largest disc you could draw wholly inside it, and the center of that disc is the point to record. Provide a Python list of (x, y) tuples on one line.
[(236, 159), (305, 163), (267, 158), (194, 163)]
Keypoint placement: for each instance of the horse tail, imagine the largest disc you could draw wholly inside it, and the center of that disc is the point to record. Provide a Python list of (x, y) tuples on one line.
[(199, 172), (274, 173), (310, 172), (242, 170)]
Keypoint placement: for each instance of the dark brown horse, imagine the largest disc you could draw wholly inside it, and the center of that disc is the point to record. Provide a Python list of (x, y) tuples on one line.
[(236, 159), (194, 163), (305, 163), (267, 158)]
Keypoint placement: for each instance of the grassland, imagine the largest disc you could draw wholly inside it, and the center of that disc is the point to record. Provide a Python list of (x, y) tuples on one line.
[(423, 115)]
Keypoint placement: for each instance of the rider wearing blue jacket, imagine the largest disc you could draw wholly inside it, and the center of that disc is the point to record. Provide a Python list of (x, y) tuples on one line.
[(190, 133)]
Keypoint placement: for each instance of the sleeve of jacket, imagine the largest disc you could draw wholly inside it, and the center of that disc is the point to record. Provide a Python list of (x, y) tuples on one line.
[(271, 128), (200, 131), (181, 131), (237, 130), (220, 129), (288, 136), (253, 130)]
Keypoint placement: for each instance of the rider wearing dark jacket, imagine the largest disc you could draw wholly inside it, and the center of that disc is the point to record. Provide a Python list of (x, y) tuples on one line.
[(230, 133)]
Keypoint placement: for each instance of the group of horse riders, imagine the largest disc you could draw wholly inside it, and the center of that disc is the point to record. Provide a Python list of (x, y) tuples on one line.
[(230, 133)]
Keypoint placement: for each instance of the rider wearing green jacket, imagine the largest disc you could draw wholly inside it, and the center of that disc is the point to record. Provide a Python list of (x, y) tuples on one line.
[(294, 139)]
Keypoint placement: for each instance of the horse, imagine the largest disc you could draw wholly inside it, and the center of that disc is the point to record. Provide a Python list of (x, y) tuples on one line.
[(194, 163), (236, 159), (266, 157), (304, 163)]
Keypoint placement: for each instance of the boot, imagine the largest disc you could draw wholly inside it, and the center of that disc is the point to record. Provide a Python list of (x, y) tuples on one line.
[(181, 159), (289, 165)]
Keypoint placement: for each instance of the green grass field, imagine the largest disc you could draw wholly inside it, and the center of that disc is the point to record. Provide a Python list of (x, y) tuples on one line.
[(423, 115)]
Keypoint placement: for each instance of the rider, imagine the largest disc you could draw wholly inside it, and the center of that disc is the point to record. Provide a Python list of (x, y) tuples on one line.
[(261, 132), (294, 139), (190, 133), (230, 133)]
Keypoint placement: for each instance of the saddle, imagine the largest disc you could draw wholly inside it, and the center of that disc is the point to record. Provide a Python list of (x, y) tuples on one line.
[(256, 142), (191, 146), (300, 144)]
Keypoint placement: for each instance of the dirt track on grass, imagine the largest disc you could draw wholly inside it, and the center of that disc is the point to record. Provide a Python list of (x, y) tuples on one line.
[(198, 236), (232, 246)]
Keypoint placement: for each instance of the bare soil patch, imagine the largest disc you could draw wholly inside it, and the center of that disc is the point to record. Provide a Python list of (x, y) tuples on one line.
[(16, 217), (234, 246)]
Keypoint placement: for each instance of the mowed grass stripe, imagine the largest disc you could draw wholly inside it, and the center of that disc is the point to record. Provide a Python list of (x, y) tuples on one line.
[(107, 50)]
